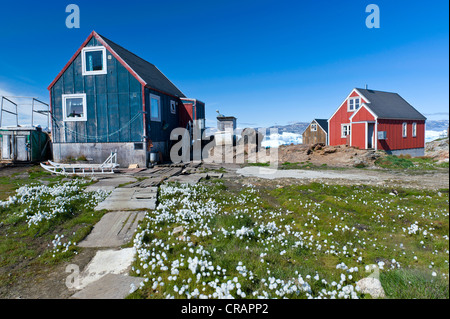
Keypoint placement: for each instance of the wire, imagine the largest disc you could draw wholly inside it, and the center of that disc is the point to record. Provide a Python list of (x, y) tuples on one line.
[(66, 129)]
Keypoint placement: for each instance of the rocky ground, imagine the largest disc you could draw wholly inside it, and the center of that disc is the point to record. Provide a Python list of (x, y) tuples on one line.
[(438, 150), (334, 156)]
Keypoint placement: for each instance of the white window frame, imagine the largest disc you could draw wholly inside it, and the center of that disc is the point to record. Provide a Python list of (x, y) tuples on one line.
[(83, 60), (152, 118), (173, 107), (348, 130), (405, 129), (353, 99), (64, 106), (313, 127), (414, 129)]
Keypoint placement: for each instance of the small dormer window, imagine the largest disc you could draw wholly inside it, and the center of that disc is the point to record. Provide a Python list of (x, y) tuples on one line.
[(94, 60), (353, 104)]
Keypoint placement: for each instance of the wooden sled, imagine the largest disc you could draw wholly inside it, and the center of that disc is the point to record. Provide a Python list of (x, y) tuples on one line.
[(107, 167)]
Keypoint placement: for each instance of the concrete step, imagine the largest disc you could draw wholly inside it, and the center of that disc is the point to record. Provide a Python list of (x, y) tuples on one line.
[(110, 286), (114, 229), (129, 199)]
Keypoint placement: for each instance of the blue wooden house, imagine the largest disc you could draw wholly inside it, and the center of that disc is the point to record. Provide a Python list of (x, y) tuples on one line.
[(108, 99)]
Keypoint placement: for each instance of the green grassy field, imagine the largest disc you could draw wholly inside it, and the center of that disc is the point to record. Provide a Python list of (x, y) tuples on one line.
[(241, 240), (410, 163), (309, 241), (41, 224)]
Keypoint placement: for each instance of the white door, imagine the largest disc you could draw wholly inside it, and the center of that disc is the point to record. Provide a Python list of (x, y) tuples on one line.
[(6, 147), (21, 149)]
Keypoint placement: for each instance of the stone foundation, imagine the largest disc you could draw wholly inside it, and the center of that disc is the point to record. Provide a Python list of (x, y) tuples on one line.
[(97, 153)]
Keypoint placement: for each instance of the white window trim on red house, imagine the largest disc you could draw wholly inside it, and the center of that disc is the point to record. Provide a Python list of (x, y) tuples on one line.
[(353, 99), (348, 131), (405, 129), (365, 106)]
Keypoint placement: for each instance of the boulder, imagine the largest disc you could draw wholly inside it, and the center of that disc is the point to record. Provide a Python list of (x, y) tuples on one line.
[(371, 286), (177, 230)]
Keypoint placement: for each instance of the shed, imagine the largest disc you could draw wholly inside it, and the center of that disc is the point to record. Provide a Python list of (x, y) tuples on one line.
[(24, 144), (316, 132), (226, 126)]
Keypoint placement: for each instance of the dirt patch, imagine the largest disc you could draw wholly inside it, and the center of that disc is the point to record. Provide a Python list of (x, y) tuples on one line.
[(334, 156), (39, 281), (10, 170)]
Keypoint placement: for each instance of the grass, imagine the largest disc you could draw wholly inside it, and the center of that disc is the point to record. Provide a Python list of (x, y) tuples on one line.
[(258, 164), (409, 163), (317, 227), (409, 284), (308, 165), (25, 249)]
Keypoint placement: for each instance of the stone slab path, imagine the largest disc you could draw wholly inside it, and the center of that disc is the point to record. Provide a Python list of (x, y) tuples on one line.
[(109, 184), (270, 173), (106, 275), (110, 286), (114, 229), (130, 199)]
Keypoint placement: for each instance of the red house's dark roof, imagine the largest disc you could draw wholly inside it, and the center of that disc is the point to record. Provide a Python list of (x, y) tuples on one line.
[(387, 105)]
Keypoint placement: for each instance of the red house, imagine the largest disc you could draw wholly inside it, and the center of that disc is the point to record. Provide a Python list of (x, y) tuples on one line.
[(370, 119)]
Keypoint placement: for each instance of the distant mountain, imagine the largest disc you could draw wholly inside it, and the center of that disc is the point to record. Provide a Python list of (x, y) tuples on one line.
[(439, 125), (297, 128)]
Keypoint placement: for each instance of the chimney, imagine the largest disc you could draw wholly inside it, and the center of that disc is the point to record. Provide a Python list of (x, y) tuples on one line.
[(366, 86)]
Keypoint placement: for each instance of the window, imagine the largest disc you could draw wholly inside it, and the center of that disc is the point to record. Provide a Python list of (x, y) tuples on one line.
[(74, 107), (93, 60), (414, 129), (313, 127), (345, 130), (138, 146), (382, 135), (405, 129), (173, 107), (155, 108), (353, 104)]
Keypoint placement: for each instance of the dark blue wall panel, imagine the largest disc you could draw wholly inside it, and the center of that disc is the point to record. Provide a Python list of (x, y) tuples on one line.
[(113, 100), (160, 131)]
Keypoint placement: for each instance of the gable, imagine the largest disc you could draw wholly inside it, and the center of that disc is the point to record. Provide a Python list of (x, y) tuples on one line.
[(146, 73), (363, 114), (342, 110), (323, 123)]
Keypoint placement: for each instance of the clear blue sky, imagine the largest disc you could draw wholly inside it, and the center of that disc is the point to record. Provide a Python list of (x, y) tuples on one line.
[(265, 62)]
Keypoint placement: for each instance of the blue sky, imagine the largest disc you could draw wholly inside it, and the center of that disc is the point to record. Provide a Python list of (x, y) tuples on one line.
[(265, 62)]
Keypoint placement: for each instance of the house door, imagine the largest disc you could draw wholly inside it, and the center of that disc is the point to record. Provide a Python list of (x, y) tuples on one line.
[(370, 135), (21, 149), (6, 147)]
